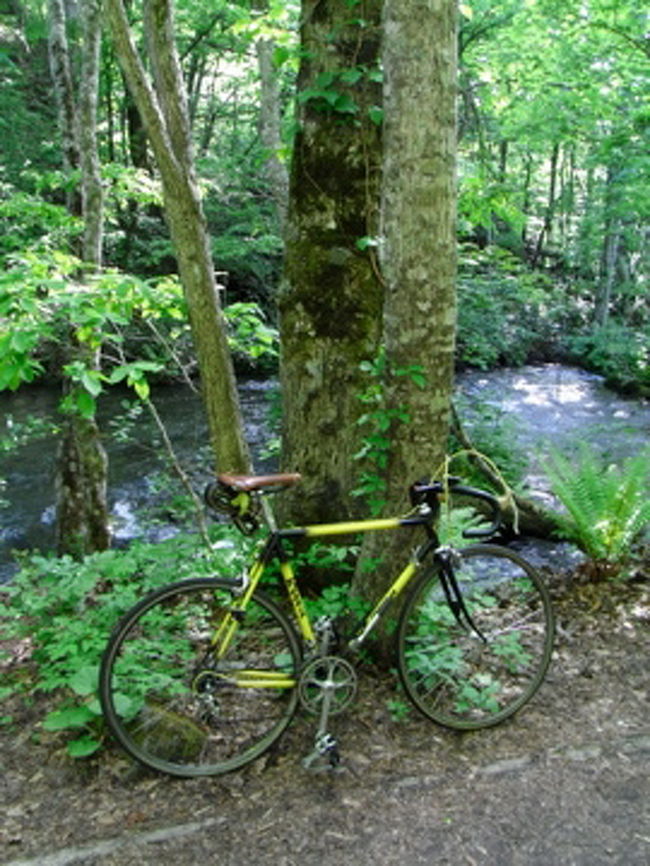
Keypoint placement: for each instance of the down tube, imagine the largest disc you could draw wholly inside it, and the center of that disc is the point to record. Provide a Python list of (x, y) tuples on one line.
[(386, 600)]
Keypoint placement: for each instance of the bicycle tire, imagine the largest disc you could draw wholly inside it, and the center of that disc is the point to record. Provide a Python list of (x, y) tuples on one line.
[(469, 676), (176, 709)]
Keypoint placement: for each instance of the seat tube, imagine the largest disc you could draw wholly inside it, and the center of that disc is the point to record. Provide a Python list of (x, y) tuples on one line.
[(297, 604)]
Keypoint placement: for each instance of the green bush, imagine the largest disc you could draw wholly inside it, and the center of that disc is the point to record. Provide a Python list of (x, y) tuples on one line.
[(66, 610), (506, 313), (619, 353)]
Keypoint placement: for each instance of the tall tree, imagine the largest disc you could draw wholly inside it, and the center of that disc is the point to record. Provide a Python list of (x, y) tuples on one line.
[(418, 252), (330, 297), (269, 124), (82, 511), (163, 107)]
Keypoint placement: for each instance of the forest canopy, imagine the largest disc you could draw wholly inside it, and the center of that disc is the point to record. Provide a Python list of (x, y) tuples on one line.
[(553, 165)]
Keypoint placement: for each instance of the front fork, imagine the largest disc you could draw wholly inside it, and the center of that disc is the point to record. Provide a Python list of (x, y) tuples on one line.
[(449, 560)]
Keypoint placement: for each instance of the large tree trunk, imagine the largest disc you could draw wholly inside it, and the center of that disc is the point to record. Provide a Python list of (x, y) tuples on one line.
[(419, 256), (331, 296), (164, 112)]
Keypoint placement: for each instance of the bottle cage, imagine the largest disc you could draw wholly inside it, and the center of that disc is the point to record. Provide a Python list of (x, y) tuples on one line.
[(241, 507)]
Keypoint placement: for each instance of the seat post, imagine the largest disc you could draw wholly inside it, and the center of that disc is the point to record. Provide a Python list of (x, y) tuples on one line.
[(269, 516)]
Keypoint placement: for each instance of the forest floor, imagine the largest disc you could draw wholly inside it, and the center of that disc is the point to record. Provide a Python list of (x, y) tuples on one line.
[(564, 783)]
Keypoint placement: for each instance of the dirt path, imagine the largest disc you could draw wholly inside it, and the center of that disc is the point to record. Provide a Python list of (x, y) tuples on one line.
[(565, 782)]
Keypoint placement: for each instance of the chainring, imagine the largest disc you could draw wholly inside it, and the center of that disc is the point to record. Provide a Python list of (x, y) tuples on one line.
[(325, 674)]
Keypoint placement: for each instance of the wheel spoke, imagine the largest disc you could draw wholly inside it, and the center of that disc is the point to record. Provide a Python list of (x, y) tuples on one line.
[(461, 679), (177, 707)]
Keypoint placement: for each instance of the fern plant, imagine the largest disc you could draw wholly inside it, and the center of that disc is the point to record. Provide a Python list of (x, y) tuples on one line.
[(607, 505)]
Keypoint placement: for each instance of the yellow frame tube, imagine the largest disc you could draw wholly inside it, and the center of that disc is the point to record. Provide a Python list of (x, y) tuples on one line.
[(224, 634), (263, 680), (298, 605), (321, 530), (396, 587)]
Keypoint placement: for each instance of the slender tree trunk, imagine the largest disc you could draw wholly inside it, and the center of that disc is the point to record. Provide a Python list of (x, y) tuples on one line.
[(503, 159), (549, 214), (331, 295), (609, 255), (82, 513), (61, 73), (585, 256), (419, 257), (163, 109), (528, 177), (270, 128), (609, 264), (92, 195)]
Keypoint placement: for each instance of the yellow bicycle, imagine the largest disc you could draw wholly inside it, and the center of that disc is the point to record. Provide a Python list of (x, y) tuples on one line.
[(203, 676)]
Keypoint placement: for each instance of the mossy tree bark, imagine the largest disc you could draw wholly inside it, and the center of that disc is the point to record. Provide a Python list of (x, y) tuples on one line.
[(331, 295), (419, 256), (163, 108)]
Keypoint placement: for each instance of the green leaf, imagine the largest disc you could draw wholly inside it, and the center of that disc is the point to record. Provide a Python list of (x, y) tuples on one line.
[(84, 681), (324, 80), (141, 388), (280, 55), (72, 717), (376, 115), (85, 404), (22, 341), (351, 76), (345, 104), (83, 747), (118, 374), (90, 379)]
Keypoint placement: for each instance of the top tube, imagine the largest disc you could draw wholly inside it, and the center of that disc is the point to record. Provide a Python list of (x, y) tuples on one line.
[(349, 527)]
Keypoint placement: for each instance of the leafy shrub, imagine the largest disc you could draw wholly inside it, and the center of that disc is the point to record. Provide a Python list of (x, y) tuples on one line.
[(27, 220), (506, 314), (66, 610), (619, 353), (607, 505), (141, 324)]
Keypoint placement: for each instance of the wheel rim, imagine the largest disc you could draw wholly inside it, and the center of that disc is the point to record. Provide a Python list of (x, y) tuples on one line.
[(465, 678), (177, 709)]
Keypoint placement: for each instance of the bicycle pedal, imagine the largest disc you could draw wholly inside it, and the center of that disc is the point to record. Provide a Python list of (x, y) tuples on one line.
[(324, 756), (315, 763)]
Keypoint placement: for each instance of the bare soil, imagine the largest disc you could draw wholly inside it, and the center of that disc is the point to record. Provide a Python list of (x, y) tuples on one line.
[(565, 782)]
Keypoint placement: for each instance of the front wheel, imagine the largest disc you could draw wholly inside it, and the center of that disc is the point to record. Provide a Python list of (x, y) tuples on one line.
[(178, 704), (469, 675)]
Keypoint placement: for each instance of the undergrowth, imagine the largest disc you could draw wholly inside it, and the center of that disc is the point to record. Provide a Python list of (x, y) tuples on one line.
[(61, 613)]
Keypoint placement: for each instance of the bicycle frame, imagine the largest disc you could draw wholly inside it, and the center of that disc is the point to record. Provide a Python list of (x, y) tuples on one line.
[(273, 548)]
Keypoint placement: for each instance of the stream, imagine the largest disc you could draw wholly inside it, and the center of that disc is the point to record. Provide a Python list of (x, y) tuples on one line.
[(540, 406)]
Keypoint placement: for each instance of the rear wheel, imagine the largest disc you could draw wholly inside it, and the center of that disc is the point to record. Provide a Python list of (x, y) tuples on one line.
[(472, 676), (175, 707)]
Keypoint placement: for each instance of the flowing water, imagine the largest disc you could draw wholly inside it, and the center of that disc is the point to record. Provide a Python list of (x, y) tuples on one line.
[(538, 405)]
